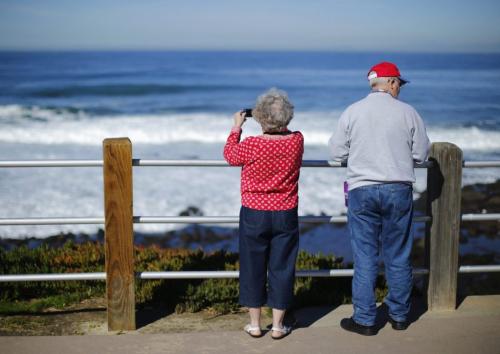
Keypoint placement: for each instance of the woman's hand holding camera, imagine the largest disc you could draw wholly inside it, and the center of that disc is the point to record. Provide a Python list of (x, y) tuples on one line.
[(239, 118)]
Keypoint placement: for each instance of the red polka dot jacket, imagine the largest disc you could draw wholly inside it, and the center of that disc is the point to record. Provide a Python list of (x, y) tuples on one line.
[(270, 168)]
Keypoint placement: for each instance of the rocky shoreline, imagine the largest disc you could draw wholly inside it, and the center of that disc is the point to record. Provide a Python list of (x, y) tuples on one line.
[(481, 239)]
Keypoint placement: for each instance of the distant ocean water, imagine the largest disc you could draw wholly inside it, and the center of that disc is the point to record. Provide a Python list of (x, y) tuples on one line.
[(178, 105)]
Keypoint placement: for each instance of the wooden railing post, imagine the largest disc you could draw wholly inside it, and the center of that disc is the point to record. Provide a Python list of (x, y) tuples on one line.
[(444, 193), (117, 157)]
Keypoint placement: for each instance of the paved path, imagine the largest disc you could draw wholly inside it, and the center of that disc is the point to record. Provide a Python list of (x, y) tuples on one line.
[(473, 329)]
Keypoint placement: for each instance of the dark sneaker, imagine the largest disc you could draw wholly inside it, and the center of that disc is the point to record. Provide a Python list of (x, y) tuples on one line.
[(397, 325), (350, 325)]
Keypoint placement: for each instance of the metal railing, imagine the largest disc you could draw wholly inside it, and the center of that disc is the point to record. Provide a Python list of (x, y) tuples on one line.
[(209, 220), (202, 163), (218, 274)]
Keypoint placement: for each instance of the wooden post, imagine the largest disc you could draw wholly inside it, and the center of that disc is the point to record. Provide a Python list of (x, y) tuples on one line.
[(444, 193), (120, 286)]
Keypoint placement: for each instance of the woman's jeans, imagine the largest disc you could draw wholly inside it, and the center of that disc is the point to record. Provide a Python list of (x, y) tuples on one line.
[(380, 216), (269, 242)]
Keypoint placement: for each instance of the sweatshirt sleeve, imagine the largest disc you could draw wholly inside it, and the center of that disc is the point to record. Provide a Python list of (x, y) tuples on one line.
[(237, 153), (339, 141), (420, 140)]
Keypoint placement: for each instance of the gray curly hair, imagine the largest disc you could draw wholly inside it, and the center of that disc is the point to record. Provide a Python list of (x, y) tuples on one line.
[(273, 110)]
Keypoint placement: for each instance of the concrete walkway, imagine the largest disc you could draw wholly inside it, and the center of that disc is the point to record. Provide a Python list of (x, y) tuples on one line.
[(473, 329)]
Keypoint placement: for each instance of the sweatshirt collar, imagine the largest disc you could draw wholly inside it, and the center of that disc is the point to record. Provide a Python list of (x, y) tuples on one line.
[(376, 92)]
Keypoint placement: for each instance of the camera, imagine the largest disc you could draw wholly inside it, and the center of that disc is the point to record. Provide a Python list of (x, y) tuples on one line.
[(247, 112)]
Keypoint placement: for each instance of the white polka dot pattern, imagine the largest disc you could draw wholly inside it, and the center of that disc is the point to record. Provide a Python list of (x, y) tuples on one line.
[(270, 169)]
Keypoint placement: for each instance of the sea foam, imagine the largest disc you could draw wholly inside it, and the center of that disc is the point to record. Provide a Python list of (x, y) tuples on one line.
[(36, 125)]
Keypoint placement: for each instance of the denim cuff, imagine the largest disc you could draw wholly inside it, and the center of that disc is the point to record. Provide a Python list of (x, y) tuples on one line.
[(363, 323), (245, 303), (397, 319)]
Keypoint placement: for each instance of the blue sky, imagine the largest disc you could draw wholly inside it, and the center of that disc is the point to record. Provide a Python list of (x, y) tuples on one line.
[(342, 25)]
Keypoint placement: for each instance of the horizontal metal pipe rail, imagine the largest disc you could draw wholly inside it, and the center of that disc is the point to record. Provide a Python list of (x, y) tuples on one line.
[(170, 163), (325, 273), (480, 164), (481, 217), (222, 163), (202, 163), (235, 219), (52, 277), (479, 269), (52, 221), (314, 273), (211, 220), (52, 163)]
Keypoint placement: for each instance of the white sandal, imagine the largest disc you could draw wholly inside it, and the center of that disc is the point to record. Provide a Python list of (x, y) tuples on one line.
[(285, 330), (249, 329)]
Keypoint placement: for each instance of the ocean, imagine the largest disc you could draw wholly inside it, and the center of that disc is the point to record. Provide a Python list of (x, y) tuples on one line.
[(179, 105)]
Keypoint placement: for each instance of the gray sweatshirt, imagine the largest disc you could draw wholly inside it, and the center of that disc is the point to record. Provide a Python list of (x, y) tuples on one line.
[(380, 137)]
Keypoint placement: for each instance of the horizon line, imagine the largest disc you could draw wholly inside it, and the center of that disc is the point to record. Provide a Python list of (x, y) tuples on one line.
[(218, 50)]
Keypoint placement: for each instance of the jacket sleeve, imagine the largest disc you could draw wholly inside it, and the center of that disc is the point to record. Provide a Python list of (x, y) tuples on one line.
[(237, 153), (339, 142), (420, 140)]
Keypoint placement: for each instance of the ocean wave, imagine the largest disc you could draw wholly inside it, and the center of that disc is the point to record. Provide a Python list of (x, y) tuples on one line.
[(17, 114), (467, 138), (38, 125), (120, 90)]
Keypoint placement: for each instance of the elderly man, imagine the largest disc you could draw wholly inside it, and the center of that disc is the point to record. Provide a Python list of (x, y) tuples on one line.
[(380, 137)]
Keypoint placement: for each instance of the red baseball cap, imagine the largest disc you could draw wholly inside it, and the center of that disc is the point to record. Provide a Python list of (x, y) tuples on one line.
[(386, 69)]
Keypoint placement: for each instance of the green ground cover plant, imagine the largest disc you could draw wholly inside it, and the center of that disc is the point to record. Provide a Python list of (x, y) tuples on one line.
[(219, 295)]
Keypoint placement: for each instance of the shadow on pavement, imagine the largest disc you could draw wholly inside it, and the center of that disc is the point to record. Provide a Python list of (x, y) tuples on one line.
[(306, 317), (150, 314)]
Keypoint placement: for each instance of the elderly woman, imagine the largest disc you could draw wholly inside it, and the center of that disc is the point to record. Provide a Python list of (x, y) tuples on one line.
[(269, 232)]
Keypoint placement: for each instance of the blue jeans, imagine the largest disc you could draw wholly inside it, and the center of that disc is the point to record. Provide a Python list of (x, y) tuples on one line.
[(380, 216), (268, 242)]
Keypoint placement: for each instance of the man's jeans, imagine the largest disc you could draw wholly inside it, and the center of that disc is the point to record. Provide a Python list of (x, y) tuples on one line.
[(381, 215)]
